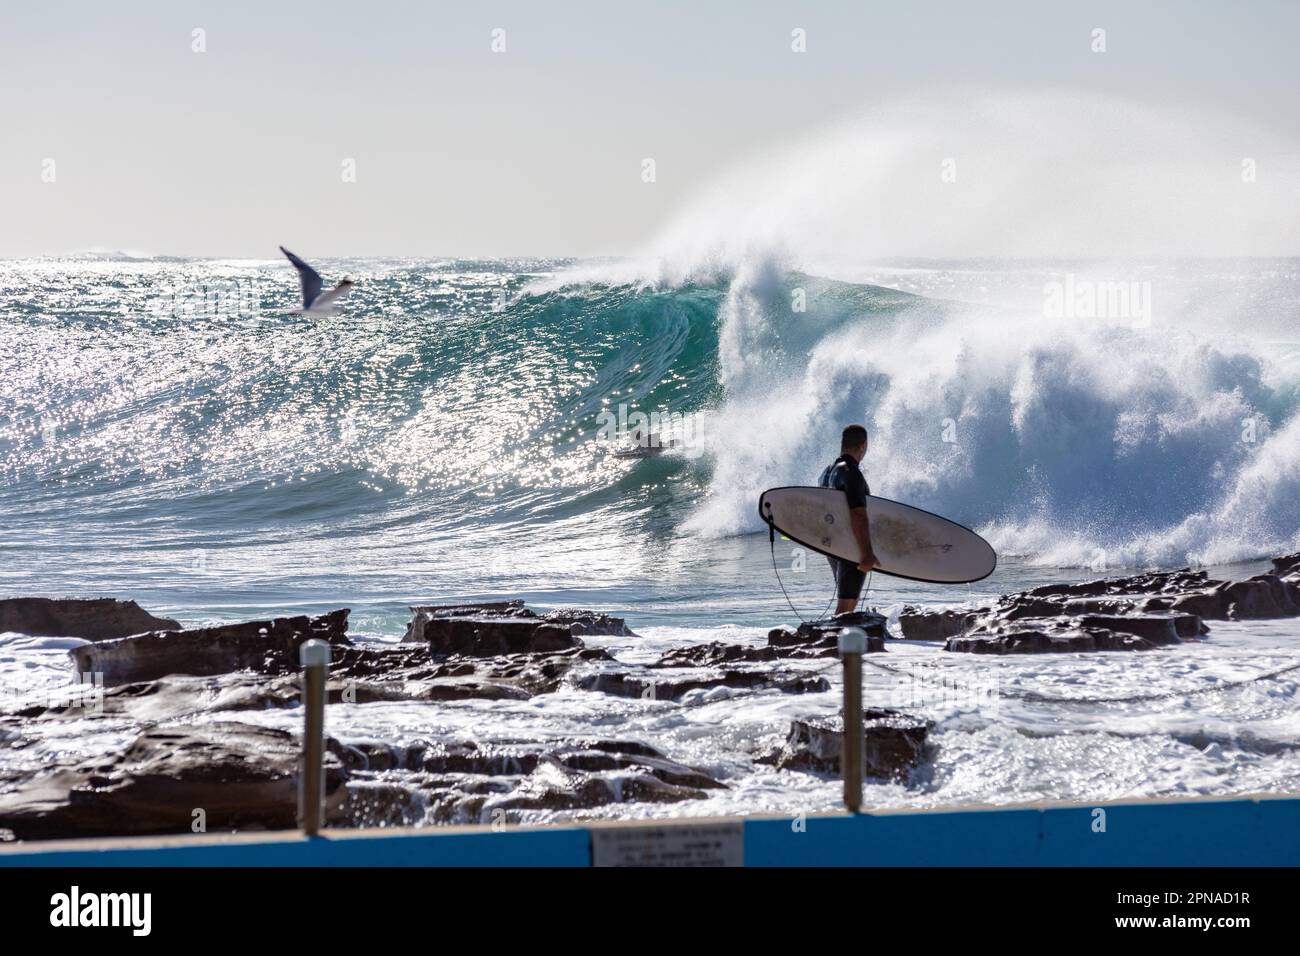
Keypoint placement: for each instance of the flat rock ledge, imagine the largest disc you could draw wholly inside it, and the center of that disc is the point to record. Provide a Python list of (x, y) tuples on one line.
[(269, 647), (237, 776), (226, 775), (92, 619), (1138, 612), (503, 627)]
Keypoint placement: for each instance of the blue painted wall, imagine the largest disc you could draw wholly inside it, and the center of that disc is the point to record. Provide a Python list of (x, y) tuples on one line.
[(1220, 833), (1217, 833)]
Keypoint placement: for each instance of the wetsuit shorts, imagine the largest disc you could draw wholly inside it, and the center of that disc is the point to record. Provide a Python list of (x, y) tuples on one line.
[(848, 579)]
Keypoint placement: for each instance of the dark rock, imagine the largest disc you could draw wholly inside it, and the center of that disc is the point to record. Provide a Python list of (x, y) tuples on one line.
[(358, 674), (269, 647), (824, 635), (423, 613), (244, 777), (437, 624), (1287, 564), (894, 745), (589, 623), (1158, 629), (1154, 582), (1112, 605), (92, 619), (538, 673), (1263, 596), (240, 776), (1133, 613), (655, 688), (534, 673), (365, 661), (596, 760), (1019, 607), (447, 688), (1059, 638), (492, 636), (918, 624), (716, 652)]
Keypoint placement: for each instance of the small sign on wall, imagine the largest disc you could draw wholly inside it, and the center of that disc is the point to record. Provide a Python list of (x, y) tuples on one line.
[(698, 844)]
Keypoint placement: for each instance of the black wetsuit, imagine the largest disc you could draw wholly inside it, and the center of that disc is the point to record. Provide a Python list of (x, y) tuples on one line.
[(845, 475)]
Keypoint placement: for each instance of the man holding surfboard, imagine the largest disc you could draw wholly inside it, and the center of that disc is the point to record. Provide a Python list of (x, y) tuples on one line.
[(846, 475)]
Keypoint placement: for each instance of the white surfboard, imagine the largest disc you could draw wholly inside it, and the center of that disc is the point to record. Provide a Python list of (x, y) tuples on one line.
[(909, 542)]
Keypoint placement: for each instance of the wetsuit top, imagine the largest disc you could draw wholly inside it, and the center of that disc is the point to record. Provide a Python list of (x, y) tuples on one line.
[(845, 475)]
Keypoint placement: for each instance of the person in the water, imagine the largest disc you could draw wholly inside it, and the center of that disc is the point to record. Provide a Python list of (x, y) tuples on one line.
[(846, 475)]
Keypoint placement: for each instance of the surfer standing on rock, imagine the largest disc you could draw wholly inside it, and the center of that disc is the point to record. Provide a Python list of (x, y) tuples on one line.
[(845, 475)]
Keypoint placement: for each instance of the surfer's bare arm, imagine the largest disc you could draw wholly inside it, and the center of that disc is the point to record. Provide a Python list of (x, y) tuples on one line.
[(862, 531)]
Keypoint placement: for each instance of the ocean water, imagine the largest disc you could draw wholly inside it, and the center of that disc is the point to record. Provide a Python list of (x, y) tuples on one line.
[(171, 433)]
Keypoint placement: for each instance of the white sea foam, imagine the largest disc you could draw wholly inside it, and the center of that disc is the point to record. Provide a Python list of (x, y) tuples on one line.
[(1156, 435)]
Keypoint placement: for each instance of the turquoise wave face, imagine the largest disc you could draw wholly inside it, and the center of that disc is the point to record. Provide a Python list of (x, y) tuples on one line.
[(184, 393)]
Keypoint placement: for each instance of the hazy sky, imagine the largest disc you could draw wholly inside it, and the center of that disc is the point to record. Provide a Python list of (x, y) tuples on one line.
[(538, 150)]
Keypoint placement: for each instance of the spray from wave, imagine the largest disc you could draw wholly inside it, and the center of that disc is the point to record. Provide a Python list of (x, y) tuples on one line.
[(1081, 437)]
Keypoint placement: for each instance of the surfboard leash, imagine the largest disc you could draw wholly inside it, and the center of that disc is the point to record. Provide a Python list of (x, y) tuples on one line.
[(866, 593), (771, 543)]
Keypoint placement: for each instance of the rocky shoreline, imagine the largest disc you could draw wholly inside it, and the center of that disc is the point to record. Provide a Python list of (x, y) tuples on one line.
[(158, 685)]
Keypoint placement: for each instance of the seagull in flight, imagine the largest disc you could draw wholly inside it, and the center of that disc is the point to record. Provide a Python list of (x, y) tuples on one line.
[(313, 300)]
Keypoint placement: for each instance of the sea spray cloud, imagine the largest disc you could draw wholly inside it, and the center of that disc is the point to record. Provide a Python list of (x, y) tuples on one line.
[(1074, 298), (1047, 175), (1072, 442), (1049, 425)]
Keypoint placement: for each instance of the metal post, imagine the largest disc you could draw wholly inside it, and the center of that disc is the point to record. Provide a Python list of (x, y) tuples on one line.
[(852, 645), (315, 658)]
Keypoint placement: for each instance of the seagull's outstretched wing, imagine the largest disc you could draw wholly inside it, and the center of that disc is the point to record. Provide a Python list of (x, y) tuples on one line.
[(326, 300), (311, 280)]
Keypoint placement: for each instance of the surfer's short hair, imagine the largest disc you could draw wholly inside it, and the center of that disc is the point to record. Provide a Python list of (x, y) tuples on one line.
[(855, 436)]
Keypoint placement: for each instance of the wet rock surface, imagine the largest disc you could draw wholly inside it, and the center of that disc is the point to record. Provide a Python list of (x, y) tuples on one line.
[(1287, 564), (226, 775), (1138, 612), (894, 745), (809, 640), (503, 626), (243, 776), (92, 619), (1051, 637), (668, 687), (270, 647), (823, 635), (175, 695), (918, 624), (466, 781)]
